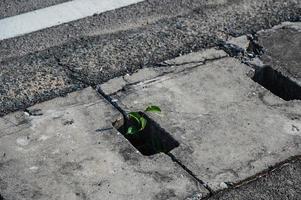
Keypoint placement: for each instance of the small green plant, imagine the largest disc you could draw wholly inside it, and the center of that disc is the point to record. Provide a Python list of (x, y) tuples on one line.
[(139, 122)]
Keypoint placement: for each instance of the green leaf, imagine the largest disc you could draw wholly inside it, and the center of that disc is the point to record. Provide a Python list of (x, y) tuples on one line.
[(143, 122), (153, 108), (132, 130), (136, 116)]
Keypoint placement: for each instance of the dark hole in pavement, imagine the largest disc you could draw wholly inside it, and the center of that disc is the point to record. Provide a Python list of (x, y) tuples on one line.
[(277, 83), (151, 140)]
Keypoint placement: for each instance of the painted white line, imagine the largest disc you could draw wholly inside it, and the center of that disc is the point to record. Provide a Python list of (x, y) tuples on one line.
[(56, 15)]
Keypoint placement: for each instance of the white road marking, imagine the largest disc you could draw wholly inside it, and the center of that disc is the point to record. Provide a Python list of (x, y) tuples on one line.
[(55, 15)]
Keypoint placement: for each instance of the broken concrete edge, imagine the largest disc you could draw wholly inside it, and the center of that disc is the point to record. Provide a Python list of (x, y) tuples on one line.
[(150, 74), (266, 172), (250, 54), (177, 65), (85, 104), (41, 97), (258, 176)]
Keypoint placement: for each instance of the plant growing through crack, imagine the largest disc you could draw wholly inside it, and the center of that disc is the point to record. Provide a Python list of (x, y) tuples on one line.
[(140, 122)]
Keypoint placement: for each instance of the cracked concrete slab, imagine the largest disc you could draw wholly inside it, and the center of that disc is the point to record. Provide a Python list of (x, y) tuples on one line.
[(281, 49), (282, 183), (66, 148), (275, 56), (229, 127)]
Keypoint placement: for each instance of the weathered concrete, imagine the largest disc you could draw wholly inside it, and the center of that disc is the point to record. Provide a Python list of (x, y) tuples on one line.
[(94, 60), (228, 126), (67, 149), (283, 183), (282, 48), (275, 56)]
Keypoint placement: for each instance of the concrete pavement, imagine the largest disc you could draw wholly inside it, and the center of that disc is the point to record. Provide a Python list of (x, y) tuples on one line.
[(223, 120), (67, 148), (231, 114), (281, 183)]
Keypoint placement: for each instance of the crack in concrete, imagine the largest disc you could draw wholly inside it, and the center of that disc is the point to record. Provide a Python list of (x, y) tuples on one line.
[(258, 175), (267, 171), (124, 113), (253, 50), (34, 112), (200, 62), (233, 51), (174, 159), (151, 80)]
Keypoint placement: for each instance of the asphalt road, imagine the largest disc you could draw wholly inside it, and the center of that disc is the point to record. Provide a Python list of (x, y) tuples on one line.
[(15, 7), (131, 17)]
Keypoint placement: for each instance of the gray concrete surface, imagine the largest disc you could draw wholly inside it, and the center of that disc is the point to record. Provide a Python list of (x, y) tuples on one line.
[(10, 8), (283, 183), (282, 49), (229, 127), (93, 60), (275, 56), (66, 148)]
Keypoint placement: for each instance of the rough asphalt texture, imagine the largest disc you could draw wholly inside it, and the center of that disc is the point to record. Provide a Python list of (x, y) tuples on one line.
[(10, 8), (281, 184), (93, 60), (126, 18)]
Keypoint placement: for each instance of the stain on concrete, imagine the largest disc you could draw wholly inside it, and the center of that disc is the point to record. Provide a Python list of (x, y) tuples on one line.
[(165, 194)]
